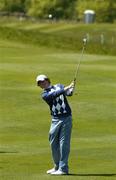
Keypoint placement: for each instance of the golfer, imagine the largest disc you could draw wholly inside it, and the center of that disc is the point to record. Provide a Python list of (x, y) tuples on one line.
[(61, 124)]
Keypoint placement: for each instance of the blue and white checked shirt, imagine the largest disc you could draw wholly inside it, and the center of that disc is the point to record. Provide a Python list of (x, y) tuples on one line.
[(55, 96)]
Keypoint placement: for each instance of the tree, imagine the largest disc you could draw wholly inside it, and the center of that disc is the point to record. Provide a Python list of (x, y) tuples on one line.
[(105, 9), (65, 9), (58, 8), (1, 4), (62, 9), (14, 5)]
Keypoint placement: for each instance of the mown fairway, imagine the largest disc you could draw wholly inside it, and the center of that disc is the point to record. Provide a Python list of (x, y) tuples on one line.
[(25, 120)]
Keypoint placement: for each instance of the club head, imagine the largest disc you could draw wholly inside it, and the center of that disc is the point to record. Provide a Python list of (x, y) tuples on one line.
[(84, 41)]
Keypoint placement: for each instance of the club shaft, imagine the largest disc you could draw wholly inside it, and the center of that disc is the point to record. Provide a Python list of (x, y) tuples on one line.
[(78, 65)]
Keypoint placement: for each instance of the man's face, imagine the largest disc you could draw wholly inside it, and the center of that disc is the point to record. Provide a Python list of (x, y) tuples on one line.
[(44, 84)]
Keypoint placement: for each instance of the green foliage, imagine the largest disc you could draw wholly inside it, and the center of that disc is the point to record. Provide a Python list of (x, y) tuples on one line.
[(14, 6), (59, 9), (62, 9), (65, 9), (105, 10), (38, 7), (1, 4)]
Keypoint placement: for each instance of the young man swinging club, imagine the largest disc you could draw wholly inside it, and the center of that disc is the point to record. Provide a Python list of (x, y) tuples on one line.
[(61, 124)]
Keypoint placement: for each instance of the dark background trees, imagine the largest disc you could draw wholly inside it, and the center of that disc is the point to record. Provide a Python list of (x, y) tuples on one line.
[(61, 9)]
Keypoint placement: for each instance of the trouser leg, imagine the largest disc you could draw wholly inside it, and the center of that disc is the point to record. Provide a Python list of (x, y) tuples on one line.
[(54, 142), (65, 136)]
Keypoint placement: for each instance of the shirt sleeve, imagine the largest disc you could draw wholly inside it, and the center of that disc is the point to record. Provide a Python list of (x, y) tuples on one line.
[(69, 92), (50, 95)]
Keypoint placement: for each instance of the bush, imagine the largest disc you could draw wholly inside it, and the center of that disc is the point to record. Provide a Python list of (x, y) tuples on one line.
[(13, 6), (105, 10), (62, 9)]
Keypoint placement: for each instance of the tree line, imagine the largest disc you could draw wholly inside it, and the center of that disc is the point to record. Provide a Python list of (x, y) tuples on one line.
[(105, 10)]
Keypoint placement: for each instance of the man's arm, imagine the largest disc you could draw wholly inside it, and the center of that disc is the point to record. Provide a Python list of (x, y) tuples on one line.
[(49, 95), (70, 89)]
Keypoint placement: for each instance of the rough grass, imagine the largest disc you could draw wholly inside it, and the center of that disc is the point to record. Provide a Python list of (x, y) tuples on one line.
[(25, 120), (62, 35)]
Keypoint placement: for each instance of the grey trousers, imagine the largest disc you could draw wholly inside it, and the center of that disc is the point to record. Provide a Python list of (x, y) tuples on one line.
[(59, 137)]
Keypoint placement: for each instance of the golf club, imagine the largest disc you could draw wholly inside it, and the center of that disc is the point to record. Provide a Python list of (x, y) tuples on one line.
[(78, 65)]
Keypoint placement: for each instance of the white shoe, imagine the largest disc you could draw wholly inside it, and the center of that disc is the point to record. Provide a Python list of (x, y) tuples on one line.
[(51, 171), (59, 172)]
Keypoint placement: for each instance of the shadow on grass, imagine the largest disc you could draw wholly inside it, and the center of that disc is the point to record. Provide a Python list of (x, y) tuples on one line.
[(7, 152), (107, 175)]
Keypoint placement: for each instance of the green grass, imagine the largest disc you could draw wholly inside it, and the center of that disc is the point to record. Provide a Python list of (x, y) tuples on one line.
[(25, 120), (62, 35)]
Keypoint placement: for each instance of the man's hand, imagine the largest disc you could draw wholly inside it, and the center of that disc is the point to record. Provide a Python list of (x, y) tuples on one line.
[(69, 89), (72, 85)]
